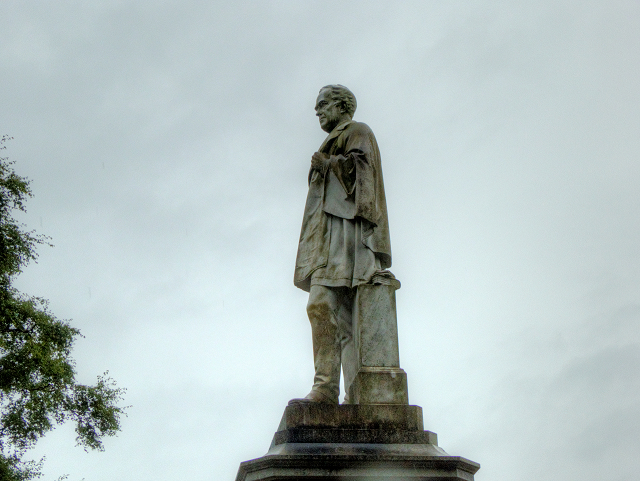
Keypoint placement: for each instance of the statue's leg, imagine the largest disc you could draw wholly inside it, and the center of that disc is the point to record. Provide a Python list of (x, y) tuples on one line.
[(322, 308), (347, 340)]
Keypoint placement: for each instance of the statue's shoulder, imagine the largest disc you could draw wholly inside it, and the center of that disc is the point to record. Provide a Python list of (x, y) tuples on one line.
[(358, 128)]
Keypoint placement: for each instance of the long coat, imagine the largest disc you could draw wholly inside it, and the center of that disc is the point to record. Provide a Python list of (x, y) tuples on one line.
[(351, 187)]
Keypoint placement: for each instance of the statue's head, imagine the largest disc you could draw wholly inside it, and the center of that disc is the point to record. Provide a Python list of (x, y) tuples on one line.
[(344, 97), (335, 104)]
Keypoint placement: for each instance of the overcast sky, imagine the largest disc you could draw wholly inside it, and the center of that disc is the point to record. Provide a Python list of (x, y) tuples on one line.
[(168, 144)]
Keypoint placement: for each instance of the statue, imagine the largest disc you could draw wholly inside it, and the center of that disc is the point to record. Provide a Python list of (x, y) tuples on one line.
[(344, 241), (342, 261)]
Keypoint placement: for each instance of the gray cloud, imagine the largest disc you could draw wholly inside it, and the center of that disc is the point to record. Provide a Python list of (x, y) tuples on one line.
[(169, 145)]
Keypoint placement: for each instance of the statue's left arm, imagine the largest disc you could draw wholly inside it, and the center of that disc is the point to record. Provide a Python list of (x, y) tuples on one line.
[(368, 190)]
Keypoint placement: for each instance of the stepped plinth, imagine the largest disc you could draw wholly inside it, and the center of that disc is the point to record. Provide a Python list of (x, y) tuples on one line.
[(355, 443)]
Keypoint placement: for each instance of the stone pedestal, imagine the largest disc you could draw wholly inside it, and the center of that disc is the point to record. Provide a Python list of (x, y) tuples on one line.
[(379, 437), (379, 379), (355, 443)]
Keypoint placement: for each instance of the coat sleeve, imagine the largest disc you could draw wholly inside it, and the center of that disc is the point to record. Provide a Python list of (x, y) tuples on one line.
[(370, 200), (364, 157)]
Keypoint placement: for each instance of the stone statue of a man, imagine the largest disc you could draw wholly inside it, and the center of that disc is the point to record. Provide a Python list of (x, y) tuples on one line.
[(344, 242)]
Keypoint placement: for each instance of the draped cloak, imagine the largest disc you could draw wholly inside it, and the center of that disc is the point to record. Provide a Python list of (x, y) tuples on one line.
[(349, 191)]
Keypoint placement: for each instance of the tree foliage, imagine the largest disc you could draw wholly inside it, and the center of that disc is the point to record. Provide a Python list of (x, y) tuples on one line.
[(38, 389)]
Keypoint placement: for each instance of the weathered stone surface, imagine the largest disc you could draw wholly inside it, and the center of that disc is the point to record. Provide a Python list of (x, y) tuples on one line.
[(357, 467), (355, 443), (351, 416), (379, 379), (385, 385), (355, 424), (376, 326), (354, 436)]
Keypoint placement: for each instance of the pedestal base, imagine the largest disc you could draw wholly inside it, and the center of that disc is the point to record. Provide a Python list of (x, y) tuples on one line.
[(379, 385), (355, 443)]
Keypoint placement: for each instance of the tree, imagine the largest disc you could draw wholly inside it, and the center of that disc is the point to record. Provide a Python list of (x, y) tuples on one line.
[(38, 389)]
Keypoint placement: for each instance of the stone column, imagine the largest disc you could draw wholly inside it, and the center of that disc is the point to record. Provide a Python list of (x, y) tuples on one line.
[(379, 379)]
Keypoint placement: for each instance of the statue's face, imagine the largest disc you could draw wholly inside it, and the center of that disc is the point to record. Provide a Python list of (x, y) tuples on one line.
[(328, 111)]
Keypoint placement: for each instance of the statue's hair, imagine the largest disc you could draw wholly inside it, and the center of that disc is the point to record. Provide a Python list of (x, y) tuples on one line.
[(345, 98)]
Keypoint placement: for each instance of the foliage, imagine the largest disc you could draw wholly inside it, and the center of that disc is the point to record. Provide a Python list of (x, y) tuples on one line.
[(38, 389)]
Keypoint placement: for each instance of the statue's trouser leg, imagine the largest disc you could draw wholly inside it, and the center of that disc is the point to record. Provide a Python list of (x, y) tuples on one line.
[(347, 343), (329, 310)]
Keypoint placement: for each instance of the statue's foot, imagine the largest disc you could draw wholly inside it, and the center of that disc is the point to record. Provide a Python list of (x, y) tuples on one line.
[(315, 397)]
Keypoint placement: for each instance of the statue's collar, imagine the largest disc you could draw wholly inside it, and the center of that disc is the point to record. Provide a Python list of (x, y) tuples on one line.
[(334, 133), (342, 126)]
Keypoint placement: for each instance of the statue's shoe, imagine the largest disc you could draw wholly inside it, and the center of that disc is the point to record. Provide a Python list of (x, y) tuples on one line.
[(315, 397)]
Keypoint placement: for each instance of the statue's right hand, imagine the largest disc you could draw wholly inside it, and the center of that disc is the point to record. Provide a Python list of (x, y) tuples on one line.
[(319, 161)]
